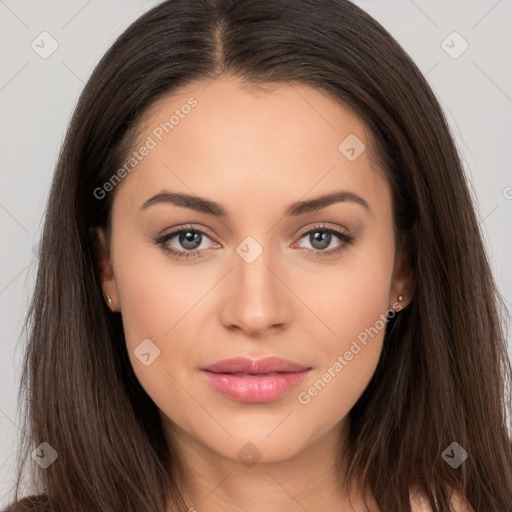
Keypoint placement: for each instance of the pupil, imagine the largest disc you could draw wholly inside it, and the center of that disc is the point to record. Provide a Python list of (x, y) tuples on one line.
[(324, 239), (190, 240)]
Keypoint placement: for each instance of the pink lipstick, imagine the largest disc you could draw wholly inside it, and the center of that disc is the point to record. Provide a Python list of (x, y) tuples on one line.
[(245, 380)]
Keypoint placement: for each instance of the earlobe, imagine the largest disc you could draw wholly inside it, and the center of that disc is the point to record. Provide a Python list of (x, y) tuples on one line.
[(104, 267)]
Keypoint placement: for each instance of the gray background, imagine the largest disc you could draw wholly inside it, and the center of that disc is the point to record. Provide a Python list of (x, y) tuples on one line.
[(37, 96)]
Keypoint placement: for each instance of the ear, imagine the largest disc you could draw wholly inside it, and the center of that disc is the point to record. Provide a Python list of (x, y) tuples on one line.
[(402, 281), (104, 265)]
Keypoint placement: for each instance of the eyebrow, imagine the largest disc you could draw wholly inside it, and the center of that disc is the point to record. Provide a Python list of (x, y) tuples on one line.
[(203, 205)]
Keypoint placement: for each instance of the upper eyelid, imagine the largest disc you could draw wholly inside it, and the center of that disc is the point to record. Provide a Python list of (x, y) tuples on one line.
[(179, 230)]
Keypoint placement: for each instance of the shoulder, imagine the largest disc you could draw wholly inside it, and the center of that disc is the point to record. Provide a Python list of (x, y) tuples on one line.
[(35, 503), (419, 503)]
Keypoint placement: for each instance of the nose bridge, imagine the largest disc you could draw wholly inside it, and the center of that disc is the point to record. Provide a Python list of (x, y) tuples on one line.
[(252, 267), (257, 297)]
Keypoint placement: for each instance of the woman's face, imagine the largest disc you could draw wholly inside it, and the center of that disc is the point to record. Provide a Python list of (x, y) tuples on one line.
[(278, 274)]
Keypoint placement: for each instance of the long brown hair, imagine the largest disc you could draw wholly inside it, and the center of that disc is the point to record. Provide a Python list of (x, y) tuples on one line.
[(444, 375)]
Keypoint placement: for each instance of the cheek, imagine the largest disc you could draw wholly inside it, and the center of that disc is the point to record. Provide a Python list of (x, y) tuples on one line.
[(348, 362), (154, 294), (160, 301), (354, 307), (154, 302), (350, 296)]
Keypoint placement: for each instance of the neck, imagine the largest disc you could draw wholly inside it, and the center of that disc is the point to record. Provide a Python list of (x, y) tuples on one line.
[(307, 480)]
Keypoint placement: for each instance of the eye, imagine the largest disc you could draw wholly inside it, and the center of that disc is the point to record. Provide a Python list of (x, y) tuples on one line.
[(321, 237), (186, 242), (190, 240)]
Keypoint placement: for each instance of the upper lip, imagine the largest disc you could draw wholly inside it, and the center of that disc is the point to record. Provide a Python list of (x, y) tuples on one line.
[(246, 365)]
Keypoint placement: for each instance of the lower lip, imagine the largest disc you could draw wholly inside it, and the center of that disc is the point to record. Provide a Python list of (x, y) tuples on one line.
[(255, 388)]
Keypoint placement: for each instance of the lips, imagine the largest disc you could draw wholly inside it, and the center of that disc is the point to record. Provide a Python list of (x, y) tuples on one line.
[(244, 380), (245, 366)]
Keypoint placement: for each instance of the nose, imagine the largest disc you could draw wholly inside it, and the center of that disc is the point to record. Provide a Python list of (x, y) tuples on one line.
[(257, 300)]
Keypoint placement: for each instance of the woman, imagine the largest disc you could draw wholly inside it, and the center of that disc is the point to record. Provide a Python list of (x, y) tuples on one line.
[(193, 340)]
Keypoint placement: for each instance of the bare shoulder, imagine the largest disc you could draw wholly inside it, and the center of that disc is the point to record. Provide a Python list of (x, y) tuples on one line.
[(37, 503), (419, 503)]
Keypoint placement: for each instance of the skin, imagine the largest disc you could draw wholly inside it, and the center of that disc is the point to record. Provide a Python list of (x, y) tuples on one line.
[(255, 152)]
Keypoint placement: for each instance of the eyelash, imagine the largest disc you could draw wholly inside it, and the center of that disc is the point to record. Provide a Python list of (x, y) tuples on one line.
[(162, 241)]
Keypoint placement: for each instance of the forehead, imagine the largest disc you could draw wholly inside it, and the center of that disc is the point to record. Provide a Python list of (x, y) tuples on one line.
[(251, 109), (216, 138)]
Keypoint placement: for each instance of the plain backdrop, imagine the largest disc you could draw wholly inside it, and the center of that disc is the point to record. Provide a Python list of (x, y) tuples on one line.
[(470, 72)]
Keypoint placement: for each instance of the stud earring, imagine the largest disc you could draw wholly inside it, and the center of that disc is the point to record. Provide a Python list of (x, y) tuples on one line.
[(400, 298), (107, 298)]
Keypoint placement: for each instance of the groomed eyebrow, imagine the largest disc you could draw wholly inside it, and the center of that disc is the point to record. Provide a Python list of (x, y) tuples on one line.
[(203, 205)]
